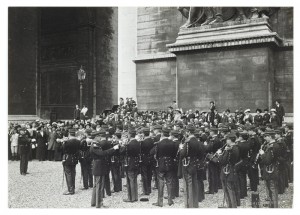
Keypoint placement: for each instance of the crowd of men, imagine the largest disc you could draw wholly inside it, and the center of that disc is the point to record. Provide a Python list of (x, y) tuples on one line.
[(165, 146)]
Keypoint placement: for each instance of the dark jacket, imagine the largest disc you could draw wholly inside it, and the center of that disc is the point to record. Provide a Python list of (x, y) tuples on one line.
[(192, 152), (24, 144), (131, 153), (228, 160), (146, 145), (269, 160), (165, 152), (71, 151), (77, 114), (100, 153), (280, 111), (244, 148)]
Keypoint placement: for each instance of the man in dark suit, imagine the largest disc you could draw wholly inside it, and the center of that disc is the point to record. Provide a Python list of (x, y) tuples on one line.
[(191, 153), (213, 167), (131, 154), (228, 158), (116, 164), (174, 135), (243, 165), (165, 152), (24, 147), (280, 112), (77, 113), (146, 166), (100, 151), (269, 160), (157, 132), (70, 159)]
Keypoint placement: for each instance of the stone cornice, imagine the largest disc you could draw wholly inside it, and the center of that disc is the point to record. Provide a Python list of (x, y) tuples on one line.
[(225, 35), (150, 57), (270, 38)]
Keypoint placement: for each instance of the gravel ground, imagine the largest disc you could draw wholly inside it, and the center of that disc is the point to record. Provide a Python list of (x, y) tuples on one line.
[(42, 188)]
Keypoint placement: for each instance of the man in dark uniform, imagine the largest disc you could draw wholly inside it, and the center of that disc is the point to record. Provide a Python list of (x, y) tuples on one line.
[(85, 160), (288, 139), (213, 169), (174, 135), (146, 166), (165, 152), (254, 145), (116, 164), (228, 158), (157, 132), (24, 147), (100, 152), (201, 170), (269, 159), (131, 155), (243, 165), (282, 158), (70, 159), (191, 153)]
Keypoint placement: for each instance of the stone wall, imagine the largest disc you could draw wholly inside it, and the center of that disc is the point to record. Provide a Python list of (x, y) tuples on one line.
[(236, 78), (156, 84), (156, 78), (157, 26)]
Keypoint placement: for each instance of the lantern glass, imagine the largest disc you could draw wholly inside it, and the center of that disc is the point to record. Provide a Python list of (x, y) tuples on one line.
[(81, 74)]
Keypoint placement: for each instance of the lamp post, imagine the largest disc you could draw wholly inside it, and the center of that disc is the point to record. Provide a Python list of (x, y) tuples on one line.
[(81, 76)]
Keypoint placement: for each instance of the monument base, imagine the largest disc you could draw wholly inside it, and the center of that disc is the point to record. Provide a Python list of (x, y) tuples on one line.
[(231, 63)]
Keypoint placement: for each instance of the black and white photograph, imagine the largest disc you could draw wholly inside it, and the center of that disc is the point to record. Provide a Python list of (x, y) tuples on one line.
[(150, 107)]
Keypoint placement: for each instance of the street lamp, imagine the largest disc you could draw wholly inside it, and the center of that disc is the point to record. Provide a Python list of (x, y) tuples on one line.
[(81, 76)]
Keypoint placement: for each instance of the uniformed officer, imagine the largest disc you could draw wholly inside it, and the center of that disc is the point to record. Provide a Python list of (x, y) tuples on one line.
[(228, 158), (254, 145), (288, 139), (191, 153), (116, 164), (243, 165), (24, 147), (131, 156), (201, 168), (282, 174), (70, 159), (85, 160), (165, 152), (100, 151), (174, 135), (213, 166), (157, 132), (269, 159), (146, 166)]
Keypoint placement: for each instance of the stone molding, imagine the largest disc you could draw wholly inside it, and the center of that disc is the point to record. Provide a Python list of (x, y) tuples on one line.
[(150, 57), (225, 35)]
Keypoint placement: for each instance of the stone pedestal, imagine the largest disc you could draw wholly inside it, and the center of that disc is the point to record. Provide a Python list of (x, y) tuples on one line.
[(230, 63)]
